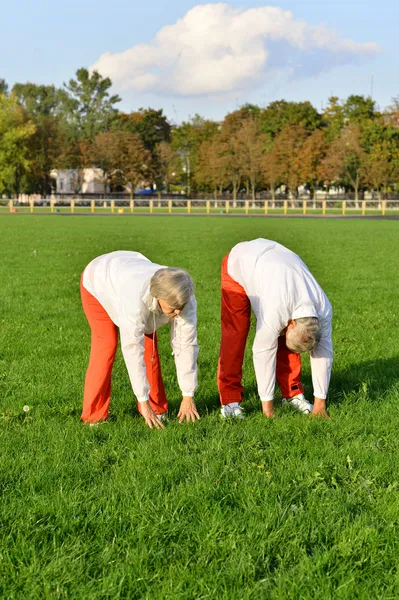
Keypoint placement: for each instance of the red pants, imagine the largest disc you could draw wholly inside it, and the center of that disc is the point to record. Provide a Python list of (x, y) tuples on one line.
[(104, 342), (235, 321)]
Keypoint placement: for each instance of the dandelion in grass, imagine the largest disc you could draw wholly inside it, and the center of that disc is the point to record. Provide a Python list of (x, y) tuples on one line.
[(26, 409)]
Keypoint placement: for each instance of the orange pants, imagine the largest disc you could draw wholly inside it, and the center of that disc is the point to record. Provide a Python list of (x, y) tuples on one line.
[(104, 342), (235, 321)]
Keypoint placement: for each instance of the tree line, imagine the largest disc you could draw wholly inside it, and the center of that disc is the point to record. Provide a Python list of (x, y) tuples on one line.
[(350, 144)]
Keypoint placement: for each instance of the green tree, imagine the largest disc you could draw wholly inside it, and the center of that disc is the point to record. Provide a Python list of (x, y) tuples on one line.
[(334, 118), (358, 109), (152, 126), (16, 130), (89, 109), (186, 141), (44, 104), (3, 87), (40, 100), (381, 143), (281, 114)]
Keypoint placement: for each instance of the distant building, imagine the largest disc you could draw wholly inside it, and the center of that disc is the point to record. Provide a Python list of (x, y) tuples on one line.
[(79, 181)]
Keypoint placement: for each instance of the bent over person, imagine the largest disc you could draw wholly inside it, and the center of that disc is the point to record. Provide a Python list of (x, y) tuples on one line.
[(126, 291), (293, 315)]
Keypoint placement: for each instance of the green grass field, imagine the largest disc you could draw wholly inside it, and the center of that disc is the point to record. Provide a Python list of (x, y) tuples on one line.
[(289, 508)]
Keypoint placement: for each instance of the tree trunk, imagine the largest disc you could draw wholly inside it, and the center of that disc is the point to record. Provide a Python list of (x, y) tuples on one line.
[(380, 196), (356, 195), (273, 193)]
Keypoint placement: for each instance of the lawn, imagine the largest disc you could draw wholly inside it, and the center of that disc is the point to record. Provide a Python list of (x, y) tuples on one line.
[(293, 507)]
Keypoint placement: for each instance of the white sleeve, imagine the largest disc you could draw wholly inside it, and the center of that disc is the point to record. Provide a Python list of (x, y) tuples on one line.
[(132, 343), (264, 355), (321, 358), (183, 337)]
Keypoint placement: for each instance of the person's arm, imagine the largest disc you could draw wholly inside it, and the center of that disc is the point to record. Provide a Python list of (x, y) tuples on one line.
[(132, 343), (184, 343), (321, 358), (264, 356)]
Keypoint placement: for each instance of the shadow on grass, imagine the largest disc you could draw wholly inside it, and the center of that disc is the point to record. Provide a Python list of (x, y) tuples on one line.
[(371, 379)]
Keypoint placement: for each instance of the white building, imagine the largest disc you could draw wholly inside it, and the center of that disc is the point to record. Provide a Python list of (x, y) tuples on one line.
[(79, 181)]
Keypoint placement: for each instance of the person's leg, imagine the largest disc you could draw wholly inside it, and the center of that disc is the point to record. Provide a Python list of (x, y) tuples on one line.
[(158, 401), (288, 370), (235, 323), (104, 342)]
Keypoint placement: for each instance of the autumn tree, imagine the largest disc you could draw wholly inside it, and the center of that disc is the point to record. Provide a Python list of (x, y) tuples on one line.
[(212, 169), (163, 165), (381, 166), (249, 144), (122, 158), (344, 164), (311, 157), (288, 146), (271, 169)]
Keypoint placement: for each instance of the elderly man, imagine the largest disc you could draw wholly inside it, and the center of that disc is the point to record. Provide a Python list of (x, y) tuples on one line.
[(293, 315)]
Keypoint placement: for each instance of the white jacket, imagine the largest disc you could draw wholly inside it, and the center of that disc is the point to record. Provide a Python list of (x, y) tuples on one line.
[(280, 287), (120, 281)]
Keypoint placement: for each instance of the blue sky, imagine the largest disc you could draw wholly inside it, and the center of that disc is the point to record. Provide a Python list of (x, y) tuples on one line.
[(215, 58)]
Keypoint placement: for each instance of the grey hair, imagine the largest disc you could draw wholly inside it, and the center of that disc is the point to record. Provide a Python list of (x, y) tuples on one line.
[(304, 336), (173, 285)]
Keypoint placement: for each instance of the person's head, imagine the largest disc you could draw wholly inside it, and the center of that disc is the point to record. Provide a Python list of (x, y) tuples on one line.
[(302, 335), (172, 288)]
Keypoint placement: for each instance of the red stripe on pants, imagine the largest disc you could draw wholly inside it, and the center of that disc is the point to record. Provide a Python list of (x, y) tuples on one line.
[(235, 323), (104, 342)]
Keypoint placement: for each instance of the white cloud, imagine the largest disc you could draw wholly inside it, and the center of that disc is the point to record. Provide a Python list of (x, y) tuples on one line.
[(215, 49)]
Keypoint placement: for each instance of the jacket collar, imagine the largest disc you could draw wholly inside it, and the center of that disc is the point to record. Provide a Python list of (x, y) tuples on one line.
[(151, 302)]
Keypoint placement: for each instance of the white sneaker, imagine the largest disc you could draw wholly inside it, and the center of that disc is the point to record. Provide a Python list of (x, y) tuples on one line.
[(300, 403), (232, 410)]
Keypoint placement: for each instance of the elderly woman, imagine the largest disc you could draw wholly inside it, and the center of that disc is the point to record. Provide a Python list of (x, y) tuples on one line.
[(126, 291), (293, 315)]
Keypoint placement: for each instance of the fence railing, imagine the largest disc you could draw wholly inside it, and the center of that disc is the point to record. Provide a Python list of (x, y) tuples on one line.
[(203, 206)]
